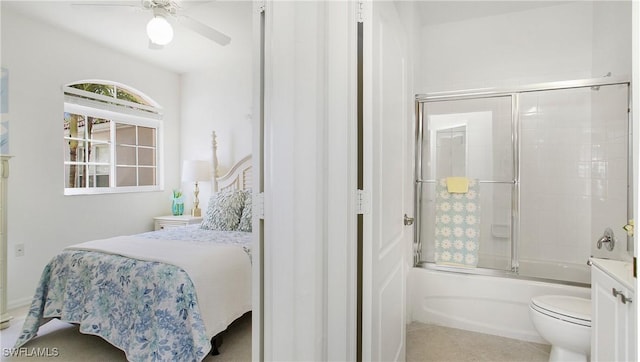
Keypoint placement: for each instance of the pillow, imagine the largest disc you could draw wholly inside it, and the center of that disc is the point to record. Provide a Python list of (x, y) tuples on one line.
[(245, 218), (224, 210)]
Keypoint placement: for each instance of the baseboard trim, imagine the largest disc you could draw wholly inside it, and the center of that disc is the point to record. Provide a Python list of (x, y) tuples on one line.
[(19, 303)]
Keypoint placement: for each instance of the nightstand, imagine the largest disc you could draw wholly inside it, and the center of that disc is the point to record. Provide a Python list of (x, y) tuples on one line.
[(170, 221)]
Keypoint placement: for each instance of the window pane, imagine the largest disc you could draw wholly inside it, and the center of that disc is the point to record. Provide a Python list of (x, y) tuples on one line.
[(102, 176), (92, 173), (72, 176), (146, 136), (74, 125), (126, 176), (73, 128), (67, 150), (102, 89), (91, 148), (103, 170), (98, 176), (146, 157), (102, 180), (147, 176), (128, 96), (81, 152), (125, 134), (100, 129), (82, 171), (100, 153), (70, 123), (126, 155)]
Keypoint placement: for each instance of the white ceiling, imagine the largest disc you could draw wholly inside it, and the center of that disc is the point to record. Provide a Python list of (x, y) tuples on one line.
[(123, 28), (433, 12)]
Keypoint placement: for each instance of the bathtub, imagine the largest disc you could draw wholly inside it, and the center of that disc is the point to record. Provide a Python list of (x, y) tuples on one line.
[(479, 303)]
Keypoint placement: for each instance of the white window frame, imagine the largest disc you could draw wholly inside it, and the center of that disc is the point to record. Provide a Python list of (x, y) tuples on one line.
[(118, 112)]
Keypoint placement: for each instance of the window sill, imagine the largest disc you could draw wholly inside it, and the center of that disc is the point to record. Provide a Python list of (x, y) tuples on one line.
[(110, 190)]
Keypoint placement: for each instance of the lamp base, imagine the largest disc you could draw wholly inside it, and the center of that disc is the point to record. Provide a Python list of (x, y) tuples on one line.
[(196, 212)]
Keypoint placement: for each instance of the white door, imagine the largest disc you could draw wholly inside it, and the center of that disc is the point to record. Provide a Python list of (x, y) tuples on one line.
[(387, 182)]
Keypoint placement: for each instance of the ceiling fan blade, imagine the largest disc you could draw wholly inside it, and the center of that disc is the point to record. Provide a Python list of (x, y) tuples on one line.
[(204, 30)]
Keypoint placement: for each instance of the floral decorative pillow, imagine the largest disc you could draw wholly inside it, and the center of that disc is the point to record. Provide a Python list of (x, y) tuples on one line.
[(245, 218), (224, 210)]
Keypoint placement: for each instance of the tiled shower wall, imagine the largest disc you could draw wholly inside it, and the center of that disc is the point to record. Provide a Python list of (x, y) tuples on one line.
[(573, 172)]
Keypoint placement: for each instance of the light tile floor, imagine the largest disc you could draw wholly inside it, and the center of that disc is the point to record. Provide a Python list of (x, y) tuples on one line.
[(430, 343)]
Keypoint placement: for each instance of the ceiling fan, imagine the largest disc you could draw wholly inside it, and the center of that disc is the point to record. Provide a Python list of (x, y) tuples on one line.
[(159, 29)]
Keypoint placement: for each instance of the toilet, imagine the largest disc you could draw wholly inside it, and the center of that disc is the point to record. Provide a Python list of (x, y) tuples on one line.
[(564, 322)]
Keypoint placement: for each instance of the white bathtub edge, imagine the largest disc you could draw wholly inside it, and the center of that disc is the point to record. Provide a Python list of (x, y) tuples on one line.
[(484, 304)]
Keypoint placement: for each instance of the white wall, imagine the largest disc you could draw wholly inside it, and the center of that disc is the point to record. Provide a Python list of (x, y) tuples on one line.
[(538, 45), (611, 46), (40, 60), (219, 99), (576, 40)]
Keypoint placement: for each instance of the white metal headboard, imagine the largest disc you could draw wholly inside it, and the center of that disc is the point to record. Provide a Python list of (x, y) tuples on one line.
[(238, 177)]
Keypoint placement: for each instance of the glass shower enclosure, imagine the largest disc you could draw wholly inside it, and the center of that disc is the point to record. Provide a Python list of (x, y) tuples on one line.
[(554, 167)]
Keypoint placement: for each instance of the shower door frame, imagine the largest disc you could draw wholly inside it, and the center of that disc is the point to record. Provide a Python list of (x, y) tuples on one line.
[(420, 103)]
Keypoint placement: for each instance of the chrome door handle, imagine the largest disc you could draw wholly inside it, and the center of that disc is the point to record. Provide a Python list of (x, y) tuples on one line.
[(408, 220), (623, 298)]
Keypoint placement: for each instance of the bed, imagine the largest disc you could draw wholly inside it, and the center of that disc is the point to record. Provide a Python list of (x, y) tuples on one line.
[(165, 295)]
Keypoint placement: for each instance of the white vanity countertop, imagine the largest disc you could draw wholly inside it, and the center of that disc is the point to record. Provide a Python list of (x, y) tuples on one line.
[(622, 271)]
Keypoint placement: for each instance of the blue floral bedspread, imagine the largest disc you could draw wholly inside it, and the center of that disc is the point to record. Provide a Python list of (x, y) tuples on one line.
[(147, 309), (195, 233)]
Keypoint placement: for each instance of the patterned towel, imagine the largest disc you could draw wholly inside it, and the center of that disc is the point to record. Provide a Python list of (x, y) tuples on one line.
[(457, 225)]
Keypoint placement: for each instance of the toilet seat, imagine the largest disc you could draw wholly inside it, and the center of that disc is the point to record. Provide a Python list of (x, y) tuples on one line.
[(569, 309)]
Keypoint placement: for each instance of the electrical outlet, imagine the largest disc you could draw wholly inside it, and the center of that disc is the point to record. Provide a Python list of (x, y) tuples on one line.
[(19, 249)]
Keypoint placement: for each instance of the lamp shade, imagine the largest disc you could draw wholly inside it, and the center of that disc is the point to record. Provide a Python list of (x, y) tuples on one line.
[(159, 30), (196, 170)]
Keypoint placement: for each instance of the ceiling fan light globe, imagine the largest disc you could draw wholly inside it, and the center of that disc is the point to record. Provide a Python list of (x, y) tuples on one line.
[(159, 30)]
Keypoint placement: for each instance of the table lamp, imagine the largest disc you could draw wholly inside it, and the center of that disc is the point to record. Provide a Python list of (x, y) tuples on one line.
[(194, 171)]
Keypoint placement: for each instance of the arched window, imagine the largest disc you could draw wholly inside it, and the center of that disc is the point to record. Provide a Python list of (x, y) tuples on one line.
[(111, 135)]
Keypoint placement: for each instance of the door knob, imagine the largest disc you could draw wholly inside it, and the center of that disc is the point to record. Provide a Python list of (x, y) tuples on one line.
[(629, 228), (408, 220)]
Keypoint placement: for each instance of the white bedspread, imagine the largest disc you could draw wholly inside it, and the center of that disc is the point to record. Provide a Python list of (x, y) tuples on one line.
[(221, 274)]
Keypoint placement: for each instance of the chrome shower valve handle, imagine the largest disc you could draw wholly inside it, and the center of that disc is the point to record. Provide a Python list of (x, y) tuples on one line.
[(608, 239)]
